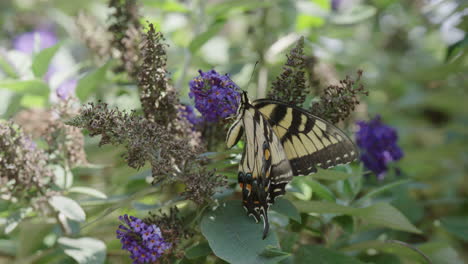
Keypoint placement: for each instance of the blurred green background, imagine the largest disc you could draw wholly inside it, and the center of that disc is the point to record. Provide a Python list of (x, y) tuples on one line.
[(413, 54)]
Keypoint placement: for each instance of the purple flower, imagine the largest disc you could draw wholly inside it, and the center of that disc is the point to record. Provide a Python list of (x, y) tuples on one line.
[(144, 242), (66, 88), (335, 4), (378, 143), (188, 112), (27, 42), (216, 96)]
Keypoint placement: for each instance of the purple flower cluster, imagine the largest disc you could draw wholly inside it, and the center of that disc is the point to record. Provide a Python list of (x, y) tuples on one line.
[(143, 241), (26, 42), (216, 96), (378, 143), (37, 40)]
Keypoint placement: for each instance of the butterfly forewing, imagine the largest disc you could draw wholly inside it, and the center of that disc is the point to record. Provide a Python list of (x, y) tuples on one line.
[(308, 141)]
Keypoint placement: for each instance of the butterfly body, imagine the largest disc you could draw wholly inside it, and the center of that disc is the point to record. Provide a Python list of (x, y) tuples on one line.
[(282, 141)]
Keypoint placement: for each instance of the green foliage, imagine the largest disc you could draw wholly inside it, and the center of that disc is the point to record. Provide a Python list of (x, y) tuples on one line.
[(68, 208), (321, 255), (41, 60), (381, 214), (414, 61), (85, 250), (233, 237), (91, 82)]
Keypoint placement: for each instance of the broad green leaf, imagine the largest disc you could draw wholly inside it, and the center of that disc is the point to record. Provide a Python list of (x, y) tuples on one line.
[(85, 250), (202, 38), (380, 214), (304, 191), (457, 226), (285, 207), (331, 175), (321, 190), (441, 253), (36, 87), (235, 237), (388, 247), (320, 255), (199, 250), (68, 207), (33, 101), (91, 82), (384, 188), (7, 67), (63, 178), (354, 15), (15, 218), (41, 60), (89, 191), (455, 48)]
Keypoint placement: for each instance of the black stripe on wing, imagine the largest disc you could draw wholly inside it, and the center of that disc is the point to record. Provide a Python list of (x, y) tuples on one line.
[(309, 141)]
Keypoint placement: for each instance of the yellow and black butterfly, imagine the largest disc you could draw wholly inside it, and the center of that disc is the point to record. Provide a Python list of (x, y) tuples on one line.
[(282, 141)]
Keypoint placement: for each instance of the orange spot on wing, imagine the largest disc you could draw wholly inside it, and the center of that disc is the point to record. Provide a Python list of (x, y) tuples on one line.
[(248, 187), (256, 202), (241, 185), (267, 154)]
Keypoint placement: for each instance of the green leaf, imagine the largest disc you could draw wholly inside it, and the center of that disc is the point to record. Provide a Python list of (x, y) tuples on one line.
[(441, 253), (457, 226), (346, 222), (380, 214), (36, 87), (321, 191), (223, 8), (199, 250), (382, 189), (41, 60), (8, 247), (388, 247), (235, 237), (91, 82), (202, 38), (33, 101), (321, 255), (68, 207), (15, 218), (354, 15), (89, 191), (304, 191), (456, 48), (285, 207), (84, 250), (271, 251), (7, 67), (63, 178), (331, 175)]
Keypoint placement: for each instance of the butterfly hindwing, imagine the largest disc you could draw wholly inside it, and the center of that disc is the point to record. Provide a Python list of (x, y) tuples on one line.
[(264, 169), (308, 141)]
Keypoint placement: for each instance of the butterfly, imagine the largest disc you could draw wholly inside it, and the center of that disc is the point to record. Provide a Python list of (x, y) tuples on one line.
[(281, 141)]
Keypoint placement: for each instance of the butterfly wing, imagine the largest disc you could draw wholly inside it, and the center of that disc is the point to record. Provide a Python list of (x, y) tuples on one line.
[(264, 169), (308, 141)]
